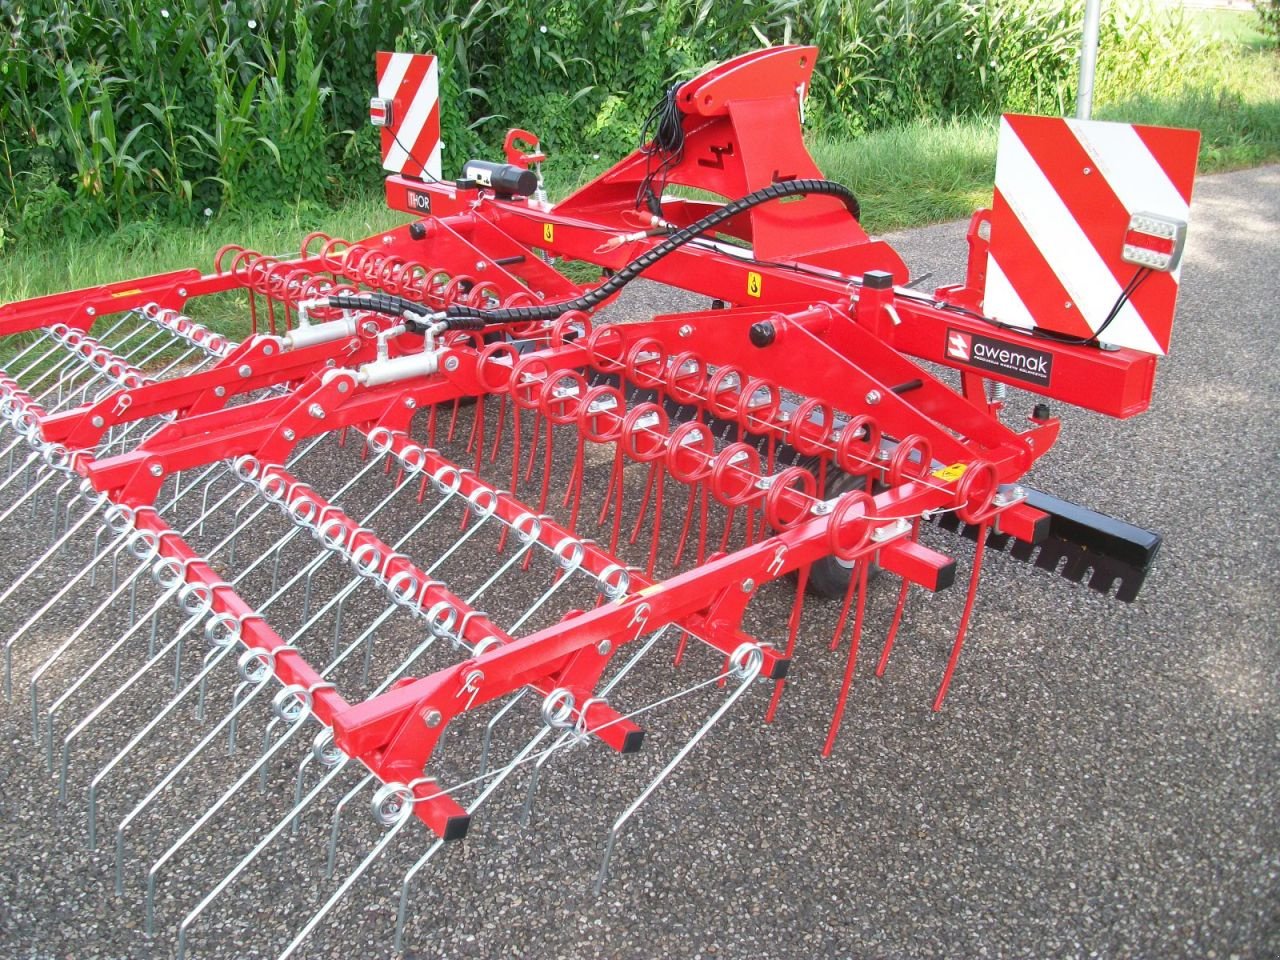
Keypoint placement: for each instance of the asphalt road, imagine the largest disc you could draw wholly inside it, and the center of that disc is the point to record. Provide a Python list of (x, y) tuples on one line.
[(1102, 781)]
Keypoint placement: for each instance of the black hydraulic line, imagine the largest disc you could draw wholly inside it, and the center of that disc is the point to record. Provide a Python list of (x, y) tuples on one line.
[(590, 299)]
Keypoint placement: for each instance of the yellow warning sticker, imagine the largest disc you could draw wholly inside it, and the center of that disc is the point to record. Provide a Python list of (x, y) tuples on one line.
[(754, 283), (548, 232), (127, 293), (953, 472)]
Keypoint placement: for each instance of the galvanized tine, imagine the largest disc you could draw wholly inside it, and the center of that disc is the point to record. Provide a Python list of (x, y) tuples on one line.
[(323, 752), (255, 667), (393, 807), (95, 506), (300, 804), (197, 599), (42, 335), (223, 644), (335, 827), (569, 565), (495, 782), (293, 705), (119, 520), (144, 545), (745, 664)]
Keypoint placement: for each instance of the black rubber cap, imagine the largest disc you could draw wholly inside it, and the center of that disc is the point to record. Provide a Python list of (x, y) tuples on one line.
[(633, 741), (946, 577), (417, 230), (781, 667), (762, 334), (456, 827), (878, 280), (1040, 412)]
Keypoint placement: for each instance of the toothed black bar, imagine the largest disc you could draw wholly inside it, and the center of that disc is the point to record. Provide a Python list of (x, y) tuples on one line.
[(1080, 542)]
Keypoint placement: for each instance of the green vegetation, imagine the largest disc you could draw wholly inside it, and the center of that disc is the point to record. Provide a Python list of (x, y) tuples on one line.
[(136, 138)]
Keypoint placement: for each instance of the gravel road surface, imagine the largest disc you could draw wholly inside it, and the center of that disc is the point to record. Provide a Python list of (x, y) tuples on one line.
[(1101, 783)]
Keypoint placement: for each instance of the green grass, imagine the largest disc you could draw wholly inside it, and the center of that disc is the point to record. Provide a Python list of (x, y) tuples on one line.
[(921, 173)]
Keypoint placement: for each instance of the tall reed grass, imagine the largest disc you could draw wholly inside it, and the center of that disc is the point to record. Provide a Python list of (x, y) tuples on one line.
[(115, 110)]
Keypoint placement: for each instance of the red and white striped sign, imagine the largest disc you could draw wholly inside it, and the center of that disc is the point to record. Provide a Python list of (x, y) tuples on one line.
[(1066, 192), (410, 83)]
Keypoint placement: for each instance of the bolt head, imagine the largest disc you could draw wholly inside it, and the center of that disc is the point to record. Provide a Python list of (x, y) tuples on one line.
[(219, 391), (604, 647), (156, 470), (288, 433), (451, 364), (182, 291), (316, 411), (410, 403), (873, 397), (432, 718), (91, 311), (343, 386), (481, 265), (245, 370), (686, 330), (98, 421), (748, 585), (268, 349)]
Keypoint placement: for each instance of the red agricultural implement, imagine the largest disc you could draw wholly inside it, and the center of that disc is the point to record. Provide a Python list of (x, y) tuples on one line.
[(435, 489)]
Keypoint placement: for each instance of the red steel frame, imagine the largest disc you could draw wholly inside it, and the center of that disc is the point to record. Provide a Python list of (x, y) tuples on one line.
[(843, 329)]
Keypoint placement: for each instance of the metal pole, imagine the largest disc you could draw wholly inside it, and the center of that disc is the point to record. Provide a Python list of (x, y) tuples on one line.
[(1088, 58)]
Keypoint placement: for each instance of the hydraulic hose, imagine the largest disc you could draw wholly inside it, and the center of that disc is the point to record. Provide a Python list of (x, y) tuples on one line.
[(550, 311)]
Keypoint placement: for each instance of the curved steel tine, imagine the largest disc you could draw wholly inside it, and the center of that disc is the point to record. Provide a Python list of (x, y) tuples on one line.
[(94, 507), (138, 808), (40, 339), (211, 661), (49, 604), (30, 492), (494, 783), (406, 814), (749, 673), (526, 809), (546, 595), (114, 695), (335, 827), (84, 677), (299, 805), (516, 557), (298, 723), (21, 469), (486, 741), (76, 634)]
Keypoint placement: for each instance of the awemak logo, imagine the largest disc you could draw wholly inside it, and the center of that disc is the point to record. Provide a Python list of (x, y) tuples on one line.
[(959, 345), (1014, 360)]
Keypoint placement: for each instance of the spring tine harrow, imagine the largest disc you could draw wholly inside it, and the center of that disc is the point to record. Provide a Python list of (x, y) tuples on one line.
[(439, 489)]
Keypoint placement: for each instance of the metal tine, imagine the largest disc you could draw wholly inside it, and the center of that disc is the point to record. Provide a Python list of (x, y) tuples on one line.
[(95, 505), (42, 336), (197, 602), (340, 596), (136, 542), (495, 782), (535, 776), (336, 823), (119, 520), (501, 774), (745, 663), (254, 676), (222, 646), (198, 682), (300, 804), (292, 704), (97, 711), (393, 806)]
